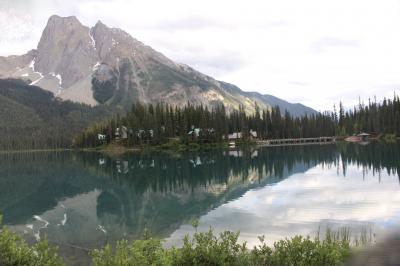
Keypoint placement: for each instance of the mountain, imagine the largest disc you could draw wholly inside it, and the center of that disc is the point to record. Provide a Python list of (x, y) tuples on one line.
[(33, 118), (106, 66)]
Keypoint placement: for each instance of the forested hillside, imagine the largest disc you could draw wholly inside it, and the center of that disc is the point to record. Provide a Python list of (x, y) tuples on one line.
[(32, 118), (157, 124), (380, 118)]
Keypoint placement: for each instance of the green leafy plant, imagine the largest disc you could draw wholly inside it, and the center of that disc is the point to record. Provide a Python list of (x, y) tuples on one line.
[(15, 251), (206, 248), (203, 248), (141, 252)]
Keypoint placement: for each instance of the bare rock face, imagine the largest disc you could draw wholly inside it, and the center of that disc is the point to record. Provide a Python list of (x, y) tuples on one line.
[(66, 48), (103, 65), (14, 63)]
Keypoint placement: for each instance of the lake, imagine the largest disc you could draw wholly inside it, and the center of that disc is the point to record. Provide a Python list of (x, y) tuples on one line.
[(82, 200)]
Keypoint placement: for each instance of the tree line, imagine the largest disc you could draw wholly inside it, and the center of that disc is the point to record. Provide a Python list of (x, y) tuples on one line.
[(379, 118), (159, 123)]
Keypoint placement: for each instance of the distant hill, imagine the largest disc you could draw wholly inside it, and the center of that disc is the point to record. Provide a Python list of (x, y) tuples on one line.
[(106, 66), (31, 117)]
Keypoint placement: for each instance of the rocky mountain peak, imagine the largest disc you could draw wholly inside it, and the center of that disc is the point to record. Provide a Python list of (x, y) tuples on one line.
[(71, 20), (65, 49), (114, 44), (104, 65), (99, 24)]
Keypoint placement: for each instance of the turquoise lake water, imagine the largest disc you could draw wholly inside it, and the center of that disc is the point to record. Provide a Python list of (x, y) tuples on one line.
[(83, 200)]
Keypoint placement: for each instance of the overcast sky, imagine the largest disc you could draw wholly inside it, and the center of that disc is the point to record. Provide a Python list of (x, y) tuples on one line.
[(313, 52)]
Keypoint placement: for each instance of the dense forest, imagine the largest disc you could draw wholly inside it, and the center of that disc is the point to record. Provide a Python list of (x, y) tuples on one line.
[(32, 118), (379, 118), (161, 122)]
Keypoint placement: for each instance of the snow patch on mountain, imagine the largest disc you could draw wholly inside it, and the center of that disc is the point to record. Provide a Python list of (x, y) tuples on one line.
[(93, 41), (57, 76), (32, 65), (96, 66)]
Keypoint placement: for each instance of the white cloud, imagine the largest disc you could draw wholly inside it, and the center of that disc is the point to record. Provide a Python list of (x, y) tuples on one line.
[(15, 31), (325, 43), (337, 50)]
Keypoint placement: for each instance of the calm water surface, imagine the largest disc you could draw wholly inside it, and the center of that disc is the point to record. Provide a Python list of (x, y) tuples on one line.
[(82, 200)]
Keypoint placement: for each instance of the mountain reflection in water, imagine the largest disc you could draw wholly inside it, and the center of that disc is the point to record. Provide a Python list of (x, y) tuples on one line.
[(87, 199)]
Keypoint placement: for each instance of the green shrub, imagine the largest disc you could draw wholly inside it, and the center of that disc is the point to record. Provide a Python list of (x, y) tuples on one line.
[(205, 248), (141, 253), (208, 249), (15, 251)]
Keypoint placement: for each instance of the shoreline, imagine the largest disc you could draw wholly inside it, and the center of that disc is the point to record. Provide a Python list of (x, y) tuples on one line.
[(36, 150), (118, 149)]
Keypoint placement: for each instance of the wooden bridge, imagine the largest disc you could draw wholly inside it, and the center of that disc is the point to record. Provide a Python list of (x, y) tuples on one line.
[(299, 141)]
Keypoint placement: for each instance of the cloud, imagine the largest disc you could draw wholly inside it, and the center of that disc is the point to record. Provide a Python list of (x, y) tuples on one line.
[(393, 87), (192, 23), (15, 31), (199, 22), (325, 43), (218, 63), (298, 83), (334, 48)]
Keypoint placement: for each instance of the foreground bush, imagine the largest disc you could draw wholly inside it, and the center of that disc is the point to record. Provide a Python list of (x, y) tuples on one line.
[(15, 251), (204, 248), (208, 249)]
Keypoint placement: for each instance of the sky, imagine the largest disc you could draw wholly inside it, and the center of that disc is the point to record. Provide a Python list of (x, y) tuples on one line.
[(313, 52)]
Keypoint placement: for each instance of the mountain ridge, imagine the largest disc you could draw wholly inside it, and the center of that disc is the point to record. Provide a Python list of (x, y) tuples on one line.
[(100, 65)]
